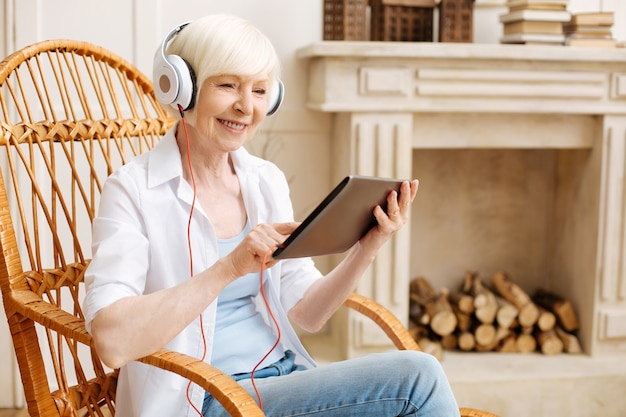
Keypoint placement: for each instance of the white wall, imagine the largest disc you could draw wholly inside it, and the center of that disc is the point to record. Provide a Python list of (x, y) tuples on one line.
[(297, 139)]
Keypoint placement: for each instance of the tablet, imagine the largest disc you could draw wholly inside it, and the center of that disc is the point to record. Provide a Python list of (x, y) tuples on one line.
[(341, 219)]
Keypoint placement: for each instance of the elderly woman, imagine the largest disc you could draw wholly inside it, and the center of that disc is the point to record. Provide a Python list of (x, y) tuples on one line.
[(184, 236)]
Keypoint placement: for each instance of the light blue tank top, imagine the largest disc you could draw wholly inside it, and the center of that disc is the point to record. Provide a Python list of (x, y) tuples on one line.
[(242, 337)]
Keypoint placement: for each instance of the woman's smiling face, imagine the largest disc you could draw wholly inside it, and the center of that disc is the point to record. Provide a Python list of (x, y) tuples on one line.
[(230, 108)]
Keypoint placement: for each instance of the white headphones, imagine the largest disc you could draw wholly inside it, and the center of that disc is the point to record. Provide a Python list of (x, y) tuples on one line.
[(175, 81)]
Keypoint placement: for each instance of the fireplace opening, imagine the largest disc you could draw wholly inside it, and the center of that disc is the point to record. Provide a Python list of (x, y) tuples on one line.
[(526, 212)]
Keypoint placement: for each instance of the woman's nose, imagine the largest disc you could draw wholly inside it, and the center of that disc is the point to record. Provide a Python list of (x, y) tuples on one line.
[(244, 103)]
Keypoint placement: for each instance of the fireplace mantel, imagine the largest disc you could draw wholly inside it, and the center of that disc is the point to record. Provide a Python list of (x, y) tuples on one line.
[(440, 77), (390, 100)]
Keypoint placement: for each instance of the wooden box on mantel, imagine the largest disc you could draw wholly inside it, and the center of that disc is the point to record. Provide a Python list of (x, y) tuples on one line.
[(346, 20), (402, 20), (456, 20)]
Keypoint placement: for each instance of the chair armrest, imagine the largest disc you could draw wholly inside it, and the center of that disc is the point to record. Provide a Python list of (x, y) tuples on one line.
[(33, 307), (385, 319), (223, 388), (398, 334), (470, 412)]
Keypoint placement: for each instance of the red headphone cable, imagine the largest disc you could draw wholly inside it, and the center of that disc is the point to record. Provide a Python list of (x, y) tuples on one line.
[(269, 310), (193, 203), (261, 273)]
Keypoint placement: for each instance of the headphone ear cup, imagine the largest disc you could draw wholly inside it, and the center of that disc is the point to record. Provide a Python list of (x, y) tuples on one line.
[(164, 79), (278, 94), (188, 85), (174, 82)]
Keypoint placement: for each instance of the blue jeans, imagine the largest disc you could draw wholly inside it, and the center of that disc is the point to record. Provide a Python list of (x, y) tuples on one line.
[(395, 383)]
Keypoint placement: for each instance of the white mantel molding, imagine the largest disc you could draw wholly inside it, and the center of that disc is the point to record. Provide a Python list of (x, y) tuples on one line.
[(438, 95), (436, 77)]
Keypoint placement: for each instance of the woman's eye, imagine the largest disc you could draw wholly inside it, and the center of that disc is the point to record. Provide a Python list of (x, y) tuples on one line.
[(260, 91), (227, 85)]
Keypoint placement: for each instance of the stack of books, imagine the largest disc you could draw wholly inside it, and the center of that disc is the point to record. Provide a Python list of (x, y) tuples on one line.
[(590, 29), (535, 22)]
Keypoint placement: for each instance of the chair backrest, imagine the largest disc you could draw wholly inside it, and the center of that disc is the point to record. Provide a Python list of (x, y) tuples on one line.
[(70, 114)]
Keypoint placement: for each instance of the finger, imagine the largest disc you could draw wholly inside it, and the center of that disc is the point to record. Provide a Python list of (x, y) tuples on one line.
[(285, 228), (387, 223), (261, 240), (393, 205), (268, 248), (281, 231), (270, 234), (414, 187), (382, 218), (408, 191)]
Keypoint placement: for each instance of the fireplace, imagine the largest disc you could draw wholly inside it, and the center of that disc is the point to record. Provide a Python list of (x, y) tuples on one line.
[(520, 151)]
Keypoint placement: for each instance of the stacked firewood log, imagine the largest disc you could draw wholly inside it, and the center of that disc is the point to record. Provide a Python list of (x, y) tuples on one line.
[(491, 317)]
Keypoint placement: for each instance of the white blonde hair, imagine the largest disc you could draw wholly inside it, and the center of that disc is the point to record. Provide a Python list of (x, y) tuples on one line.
[(223, 44)]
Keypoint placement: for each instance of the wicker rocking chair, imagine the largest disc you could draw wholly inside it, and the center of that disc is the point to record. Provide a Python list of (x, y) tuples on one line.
[(71, 113)]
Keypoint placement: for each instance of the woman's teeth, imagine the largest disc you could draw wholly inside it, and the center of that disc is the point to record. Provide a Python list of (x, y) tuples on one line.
[(233, 125)]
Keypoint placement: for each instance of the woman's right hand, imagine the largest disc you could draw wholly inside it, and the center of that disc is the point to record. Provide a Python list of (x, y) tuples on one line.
[(254, 252)]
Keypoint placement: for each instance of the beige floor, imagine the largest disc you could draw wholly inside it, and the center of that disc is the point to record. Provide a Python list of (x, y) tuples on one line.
[(534, 385), (5, 412)]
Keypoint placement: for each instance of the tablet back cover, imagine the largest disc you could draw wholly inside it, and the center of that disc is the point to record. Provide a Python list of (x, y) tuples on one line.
[(341, 219)]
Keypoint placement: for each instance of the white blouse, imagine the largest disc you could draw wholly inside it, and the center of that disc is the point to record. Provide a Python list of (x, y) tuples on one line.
[(140, 246)]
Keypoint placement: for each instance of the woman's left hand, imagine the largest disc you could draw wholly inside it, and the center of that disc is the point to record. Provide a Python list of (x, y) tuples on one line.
[(398, 209)]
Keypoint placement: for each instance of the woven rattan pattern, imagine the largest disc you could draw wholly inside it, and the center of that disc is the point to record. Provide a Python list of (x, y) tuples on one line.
[(71, 113)]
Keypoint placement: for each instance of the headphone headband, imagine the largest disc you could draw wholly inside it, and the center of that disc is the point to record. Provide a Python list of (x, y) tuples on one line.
[(167, 39)]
